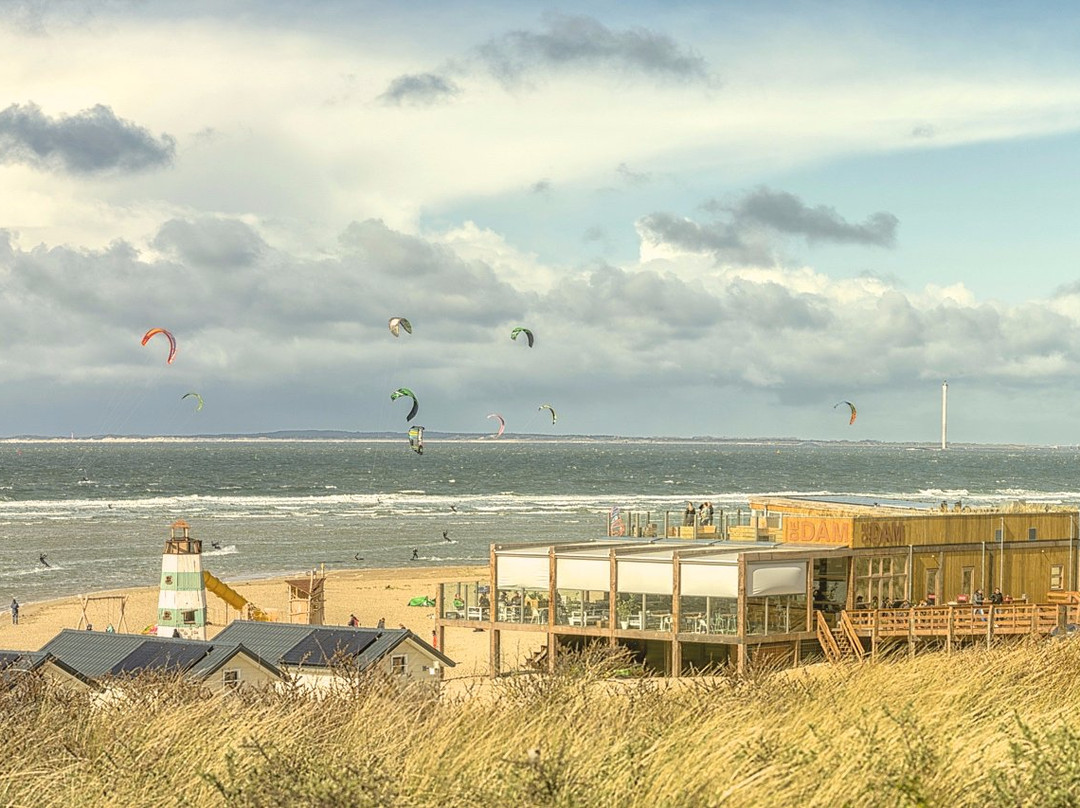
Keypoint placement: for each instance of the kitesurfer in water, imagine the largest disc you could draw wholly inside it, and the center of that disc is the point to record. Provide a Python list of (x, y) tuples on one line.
[(415, 555), (215, 545), (358, 557), (446, 535), (41, 558)]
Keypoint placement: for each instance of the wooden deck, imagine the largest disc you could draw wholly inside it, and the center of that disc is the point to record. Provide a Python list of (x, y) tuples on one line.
[(956, 622)]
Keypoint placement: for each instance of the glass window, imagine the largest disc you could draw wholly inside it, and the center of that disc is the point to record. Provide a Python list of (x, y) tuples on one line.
[(231, 678), (776, 614), (581, 608), (398, 664), (1057, 576), (881, 581), (188, 617)]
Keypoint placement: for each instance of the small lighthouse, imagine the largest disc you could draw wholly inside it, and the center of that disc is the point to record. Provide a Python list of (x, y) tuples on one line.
[(182, 601)]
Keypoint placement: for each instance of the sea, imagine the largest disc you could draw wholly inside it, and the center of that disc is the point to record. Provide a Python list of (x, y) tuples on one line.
[(100, 510)]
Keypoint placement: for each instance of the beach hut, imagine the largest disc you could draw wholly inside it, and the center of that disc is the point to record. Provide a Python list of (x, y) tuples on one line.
[(18, 666), (110, 659), (324, 656)]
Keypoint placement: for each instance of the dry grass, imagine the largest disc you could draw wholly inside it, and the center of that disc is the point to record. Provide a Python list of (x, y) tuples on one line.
[(982, 727)]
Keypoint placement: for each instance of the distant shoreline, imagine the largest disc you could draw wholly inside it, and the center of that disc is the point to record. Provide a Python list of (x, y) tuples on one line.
[(458, 437)]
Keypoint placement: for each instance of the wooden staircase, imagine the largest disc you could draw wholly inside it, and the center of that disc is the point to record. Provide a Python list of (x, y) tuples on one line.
[(538, 658), (841, 644)]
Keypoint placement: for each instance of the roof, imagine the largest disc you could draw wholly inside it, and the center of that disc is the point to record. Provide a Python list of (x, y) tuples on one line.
[(321, 646), (95, 654), (16, 662)]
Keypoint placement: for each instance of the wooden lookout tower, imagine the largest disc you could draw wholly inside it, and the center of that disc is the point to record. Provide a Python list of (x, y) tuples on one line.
[(307, 598), (182, 598)]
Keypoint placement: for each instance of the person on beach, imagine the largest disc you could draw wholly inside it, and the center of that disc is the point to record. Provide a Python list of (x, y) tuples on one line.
[(706, 513), (14, 612), (415, 555), (381, 623), (353, 621), (688, 515)]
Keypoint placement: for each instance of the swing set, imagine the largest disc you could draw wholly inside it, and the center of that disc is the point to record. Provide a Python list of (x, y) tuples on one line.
[(109, 602)]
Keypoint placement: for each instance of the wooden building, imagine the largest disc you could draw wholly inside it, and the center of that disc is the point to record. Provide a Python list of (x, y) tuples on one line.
[(779, 588)]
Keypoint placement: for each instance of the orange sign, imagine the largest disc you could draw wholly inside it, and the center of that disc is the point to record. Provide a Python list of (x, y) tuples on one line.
[(817, 530), (882, 534)]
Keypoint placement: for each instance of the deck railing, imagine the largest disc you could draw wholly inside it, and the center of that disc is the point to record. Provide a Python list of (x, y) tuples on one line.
[(959, 621)]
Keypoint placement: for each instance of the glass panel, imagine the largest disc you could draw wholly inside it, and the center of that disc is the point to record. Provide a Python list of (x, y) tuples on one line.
[(776, 614), (582, 608), (708, 615)]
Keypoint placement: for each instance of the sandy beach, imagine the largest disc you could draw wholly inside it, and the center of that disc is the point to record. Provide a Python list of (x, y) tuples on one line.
[(370, 594)]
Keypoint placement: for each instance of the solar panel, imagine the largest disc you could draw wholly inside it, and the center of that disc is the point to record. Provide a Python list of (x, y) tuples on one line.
[(161, 655), (324, 646), (9, 658)]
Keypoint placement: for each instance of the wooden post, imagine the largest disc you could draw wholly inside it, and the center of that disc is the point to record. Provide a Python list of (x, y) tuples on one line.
[(740, 616), (676, 614), (911, 633), (613, 585), (553, 608), (493, 599), (949, 631)]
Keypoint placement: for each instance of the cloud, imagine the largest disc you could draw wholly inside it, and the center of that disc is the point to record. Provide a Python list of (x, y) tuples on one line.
[(419, 89), (743, 231), (567, 42), (786, 213), (92, 141), (210, 242)]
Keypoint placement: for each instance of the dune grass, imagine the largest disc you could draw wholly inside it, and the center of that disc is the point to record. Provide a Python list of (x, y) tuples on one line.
[(979, 727)]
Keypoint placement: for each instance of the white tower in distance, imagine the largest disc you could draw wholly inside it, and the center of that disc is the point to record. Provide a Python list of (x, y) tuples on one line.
[(944, 413)]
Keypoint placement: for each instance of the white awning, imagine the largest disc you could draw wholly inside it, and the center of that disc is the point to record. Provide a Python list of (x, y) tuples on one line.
[(521, 572), (650, 578), (583, 573), (709, 580), (776, 578)]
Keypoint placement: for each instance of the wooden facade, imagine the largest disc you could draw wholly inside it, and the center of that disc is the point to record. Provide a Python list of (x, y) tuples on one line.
[(801, 581)]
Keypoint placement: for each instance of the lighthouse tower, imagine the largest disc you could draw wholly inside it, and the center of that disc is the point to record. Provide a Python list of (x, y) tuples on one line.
[(182, 601)]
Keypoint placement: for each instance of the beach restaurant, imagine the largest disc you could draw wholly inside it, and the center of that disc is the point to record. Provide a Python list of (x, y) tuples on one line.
[(792, 581)]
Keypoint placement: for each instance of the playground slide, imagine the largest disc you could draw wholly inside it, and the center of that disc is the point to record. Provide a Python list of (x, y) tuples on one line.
[(218, 587)]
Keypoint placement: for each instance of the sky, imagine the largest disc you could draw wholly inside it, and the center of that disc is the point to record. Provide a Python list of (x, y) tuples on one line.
[(717, 218)]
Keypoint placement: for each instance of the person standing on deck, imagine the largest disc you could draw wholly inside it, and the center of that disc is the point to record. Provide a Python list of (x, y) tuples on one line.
[(688, 515), (996, 597)]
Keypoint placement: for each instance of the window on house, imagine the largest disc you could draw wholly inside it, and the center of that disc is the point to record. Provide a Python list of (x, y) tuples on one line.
[(997, 535), (188, 617), (1057, 576), (231, 678), (1033, 534), (398, 665)]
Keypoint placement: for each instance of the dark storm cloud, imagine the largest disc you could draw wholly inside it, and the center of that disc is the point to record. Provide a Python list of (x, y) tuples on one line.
[(89, 142), (568, 41), (419, 89), (210, 242), (741, 232)]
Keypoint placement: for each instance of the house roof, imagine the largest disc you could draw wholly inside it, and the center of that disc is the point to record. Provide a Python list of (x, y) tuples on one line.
[(95, 654), (321, 646)]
